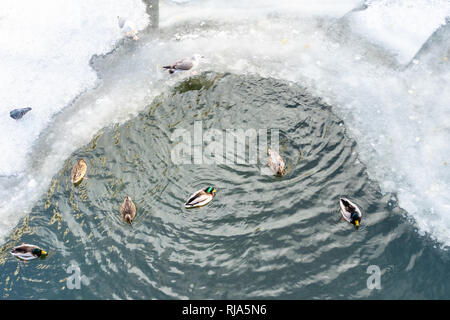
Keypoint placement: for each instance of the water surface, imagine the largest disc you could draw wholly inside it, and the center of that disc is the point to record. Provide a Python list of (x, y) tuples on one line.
[(261, 237)]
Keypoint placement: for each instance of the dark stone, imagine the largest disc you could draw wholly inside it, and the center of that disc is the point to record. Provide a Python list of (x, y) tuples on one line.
[(18, 113)]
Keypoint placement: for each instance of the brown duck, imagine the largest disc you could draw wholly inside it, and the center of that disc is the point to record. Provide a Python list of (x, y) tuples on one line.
[(128, 210), (276, 163), (78, 171)]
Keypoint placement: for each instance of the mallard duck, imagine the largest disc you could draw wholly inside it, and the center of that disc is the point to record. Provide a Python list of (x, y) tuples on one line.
[(27, 252), (128, 210), (350, 212), (78, 171), (200, 198), (185, 64), (276, 163)]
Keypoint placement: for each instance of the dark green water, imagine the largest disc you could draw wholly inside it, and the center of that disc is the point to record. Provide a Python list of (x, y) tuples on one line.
[(261, 236)]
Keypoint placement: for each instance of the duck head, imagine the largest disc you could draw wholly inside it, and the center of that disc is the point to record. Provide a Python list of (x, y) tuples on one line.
[(39, 252), (356, 219), (211, 190)]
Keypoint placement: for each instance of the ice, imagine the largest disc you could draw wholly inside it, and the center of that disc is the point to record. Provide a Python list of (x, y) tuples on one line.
[(45, 48), (398, 115), (400, 26)]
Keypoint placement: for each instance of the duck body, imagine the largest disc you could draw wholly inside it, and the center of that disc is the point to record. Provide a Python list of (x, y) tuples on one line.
[(200, 198), (276, 163), (78, 171), (27, 252), (128, 210), (350, 212)]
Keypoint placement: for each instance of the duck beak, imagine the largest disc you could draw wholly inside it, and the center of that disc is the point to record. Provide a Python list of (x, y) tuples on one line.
[(214, 191), (357, 224), (44, 253)]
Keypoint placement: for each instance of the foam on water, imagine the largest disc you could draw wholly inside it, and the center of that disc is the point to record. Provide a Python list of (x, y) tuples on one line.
[(399, 116)]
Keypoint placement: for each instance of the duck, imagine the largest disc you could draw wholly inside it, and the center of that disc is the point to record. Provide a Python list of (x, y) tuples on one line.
[(276, 163), (200, 198), (350, 212), (128, 210), (28, 252), (78, 171), (185, 64)]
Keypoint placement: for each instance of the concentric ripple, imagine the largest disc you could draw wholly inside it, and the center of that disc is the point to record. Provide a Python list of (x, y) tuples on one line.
[(261, 237)]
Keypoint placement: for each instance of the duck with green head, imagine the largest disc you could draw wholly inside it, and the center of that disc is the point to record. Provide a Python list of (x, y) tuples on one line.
[(28, 252), (200, 198), (350, 212)]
